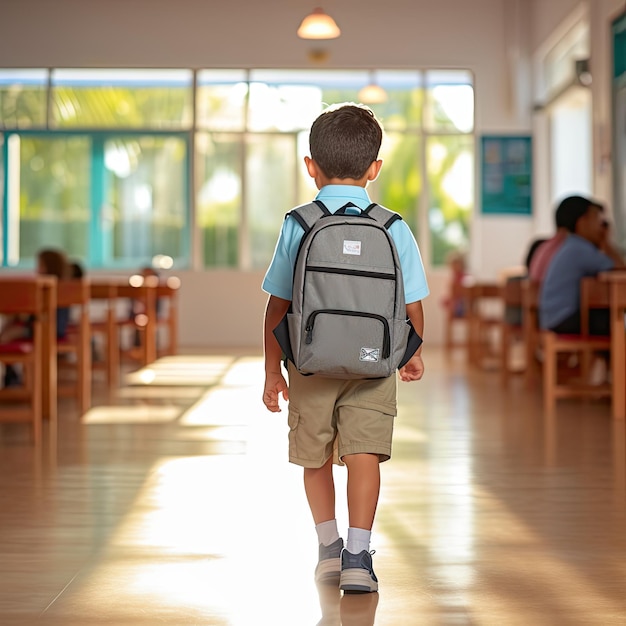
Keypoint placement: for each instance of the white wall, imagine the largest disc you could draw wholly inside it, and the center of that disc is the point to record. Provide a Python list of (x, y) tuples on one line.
[(493, 38)]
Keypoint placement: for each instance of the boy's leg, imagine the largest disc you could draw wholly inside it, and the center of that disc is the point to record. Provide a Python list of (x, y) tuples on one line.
[(357, 571), (363, 488), (320, 491)]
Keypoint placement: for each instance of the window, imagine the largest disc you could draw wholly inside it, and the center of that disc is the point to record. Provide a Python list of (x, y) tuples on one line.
[(122, 98), (98, 161), (23, 98)]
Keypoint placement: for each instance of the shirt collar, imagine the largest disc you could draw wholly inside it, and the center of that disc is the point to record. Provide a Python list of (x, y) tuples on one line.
[(345, 193)]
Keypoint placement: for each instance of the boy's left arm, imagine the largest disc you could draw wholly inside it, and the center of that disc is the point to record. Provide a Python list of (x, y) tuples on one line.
[(414, 369)]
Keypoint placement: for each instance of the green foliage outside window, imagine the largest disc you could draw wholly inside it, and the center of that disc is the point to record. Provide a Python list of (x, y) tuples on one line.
[(79, 171)]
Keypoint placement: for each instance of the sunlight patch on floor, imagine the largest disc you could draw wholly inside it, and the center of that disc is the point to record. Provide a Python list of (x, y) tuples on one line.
[(143, 414)]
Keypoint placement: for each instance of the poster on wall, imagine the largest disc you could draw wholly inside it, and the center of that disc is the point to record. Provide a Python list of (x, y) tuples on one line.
[(506, 183)]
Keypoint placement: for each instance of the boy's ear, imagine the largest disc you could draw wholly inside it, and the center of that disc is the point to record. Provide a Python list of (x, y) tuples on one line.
[(374, 169), (311, 167)]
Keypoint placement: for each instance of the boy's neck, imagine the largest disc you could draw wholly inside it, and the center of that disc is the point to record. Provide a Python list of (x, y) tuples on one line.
[(346, 181)]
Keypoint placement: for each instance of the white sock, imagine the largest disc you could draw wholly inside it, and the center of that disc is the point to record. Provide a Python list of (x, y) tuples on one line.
[(327, 532), (358, 540)]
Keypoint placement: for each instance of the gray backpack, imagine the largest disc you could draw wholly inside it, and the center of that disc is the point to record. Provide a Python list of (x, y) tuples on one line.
[(347, 317)]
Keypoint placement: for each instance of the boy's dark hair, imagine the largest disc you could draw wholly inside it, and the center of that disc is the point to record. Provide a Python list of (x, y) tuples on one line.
[(571, 210), (344, 141)]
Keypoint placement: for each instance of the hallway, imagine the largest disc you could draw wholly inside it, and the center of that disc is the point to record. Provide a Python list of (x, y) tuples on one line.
[(173, 503)]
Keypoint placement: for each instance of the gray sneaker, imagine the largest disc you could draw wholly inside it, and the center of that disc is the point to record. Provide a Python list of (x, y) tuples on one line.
[(357, 572), (329, 564)]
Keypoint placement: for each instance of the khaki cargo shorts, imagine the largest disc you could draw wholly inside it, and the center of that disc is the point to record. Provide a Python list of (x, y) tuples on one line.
[(330, 417)]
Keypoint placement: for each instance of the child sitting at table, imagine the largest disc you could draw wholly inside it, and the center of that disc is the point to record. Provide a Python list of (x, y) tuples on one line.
[(454, 301), (50, 262)]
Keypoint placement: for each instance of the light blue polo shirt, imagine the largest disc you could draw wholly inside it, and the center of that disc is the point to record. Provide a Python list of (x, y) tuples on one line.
[(279, 277), (560, 290)]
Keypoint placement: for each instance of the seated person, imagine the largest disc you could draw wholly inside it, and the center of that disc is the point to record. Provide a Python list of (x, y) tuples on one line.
[(454, 302), (565, 216), (587, 251), (77, 270)]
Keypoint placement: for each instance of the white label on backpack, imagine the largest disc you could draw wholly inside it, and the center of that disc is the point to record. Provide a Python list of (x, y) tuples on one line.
[(352, 247), (369, 354)]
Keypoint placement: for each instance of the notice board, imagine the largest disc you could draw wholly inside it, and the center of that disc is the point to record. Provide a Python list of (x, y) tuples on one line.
[(506, 174)]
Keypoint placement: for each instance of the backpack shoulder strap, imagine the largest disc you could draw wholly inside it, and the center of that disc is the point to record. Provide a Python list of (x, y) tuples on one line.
[(307, 214), (382, 215)]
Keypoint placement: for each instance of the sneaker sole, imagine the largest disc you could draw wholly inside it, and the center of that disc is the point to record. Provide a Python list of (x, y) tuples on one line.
[(357, 580), (328, 570)]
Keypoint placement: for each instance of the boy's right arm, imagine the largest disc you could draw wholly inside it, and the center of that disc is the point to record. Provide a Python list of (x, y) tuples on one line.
[(275, 383)]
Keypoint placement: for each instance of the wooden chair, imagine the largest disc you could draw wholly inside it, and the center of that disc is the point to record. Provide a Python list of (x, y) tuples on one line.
[(167, 292), (512, 323), (142, 290), (24, 296), (482, 321), (617, 288), (594, 295), (530, 330), (107, 331), (75, 295)]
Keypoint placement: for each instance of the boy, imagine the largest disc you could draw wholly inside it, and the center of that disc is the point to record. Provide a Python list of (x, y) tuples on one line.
[(346, 421)]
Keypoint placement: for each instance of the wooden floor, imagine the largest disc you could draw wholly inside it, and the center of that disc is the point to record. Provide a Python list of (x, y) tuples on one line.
[(173, 503)]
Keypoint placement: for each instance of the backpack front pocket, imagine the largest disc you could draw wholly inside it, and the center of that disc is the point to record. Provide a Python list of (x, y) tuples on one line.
[(345, 344)]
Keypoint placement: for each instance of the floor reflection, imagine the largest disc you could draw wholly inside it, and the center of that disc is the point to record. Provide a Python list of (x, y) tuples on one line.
[(173, 503), (350, 609)]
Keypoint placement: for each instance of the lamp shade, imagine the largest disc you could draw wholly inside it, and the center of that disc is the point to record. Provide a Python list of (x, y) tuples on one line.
[(318, 25), (372, 94)]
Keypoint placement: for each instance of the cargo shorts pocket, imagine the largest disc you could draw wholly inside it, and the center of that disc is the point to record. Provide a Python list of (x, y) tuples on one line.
[(293, 420)]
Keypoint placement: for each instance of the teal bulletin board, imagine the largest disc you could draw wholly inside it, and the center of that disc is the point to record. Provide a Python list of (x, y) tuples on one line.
[(506, 173)]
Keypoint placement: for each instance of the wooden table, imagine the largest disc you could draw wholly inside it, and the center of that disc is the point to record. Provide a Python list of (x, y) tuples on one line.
[(480, 321)]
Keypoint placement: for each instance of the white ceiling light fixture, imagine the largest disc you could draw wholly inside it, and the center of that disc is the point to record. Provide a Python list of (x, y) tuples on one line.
[(318, 25), (372, 93)]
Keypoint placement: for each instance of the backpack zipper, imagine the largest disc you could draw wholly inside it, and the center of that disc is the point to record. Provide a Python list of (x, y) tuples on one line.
[(351, 272), (386, 339)]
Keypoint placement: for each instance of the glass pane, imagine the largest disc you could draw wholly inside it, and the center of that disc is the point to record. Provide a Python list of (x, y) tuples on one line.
[(449, 101), (405, 98), (221, 99), (122, 98), (23, 98), (54, 181), (290, 100), (399, 184), (270, 192), (450, 167), (146, 199), (218, 198)]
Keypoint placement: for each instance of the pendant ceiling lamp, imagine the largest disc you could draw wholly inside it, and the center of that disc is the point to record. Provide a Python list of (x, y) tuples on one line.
[(372, 93), (318, 25)]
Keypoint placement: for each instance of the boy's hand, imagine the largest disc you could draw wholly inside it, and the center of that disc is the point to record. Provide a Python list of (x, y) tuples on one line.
[(413, 370), (275, 384)]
